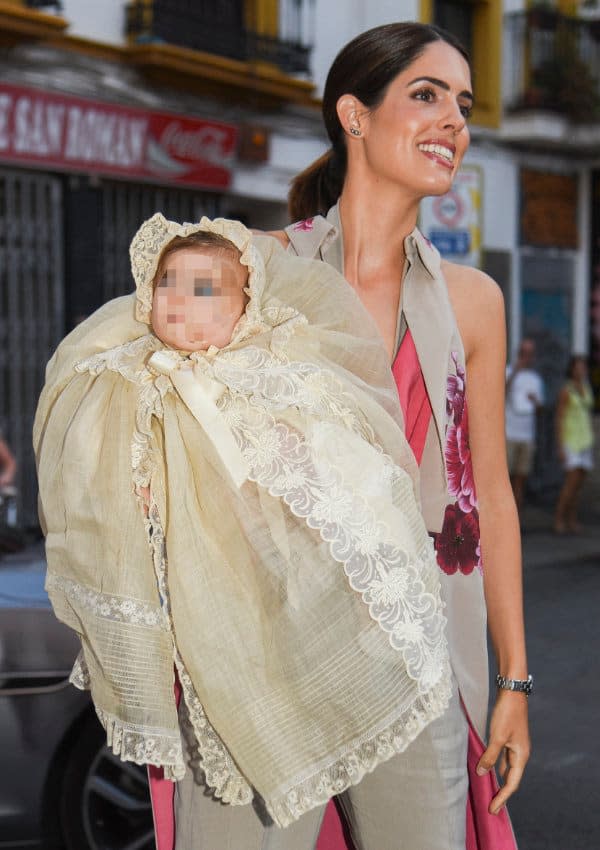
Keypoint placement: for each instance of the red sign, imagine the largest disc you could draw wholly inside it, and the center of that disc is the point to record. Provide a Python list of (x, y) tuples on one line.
[(67, 133)]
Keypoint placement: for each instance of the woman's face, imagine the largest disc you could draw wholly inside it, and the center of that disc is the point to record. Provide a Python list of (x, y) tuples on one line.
[(418, 135)]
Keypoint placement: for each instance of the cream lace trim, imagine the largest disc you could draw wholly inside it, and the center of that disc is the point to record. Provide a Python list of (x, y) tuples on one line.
[(144, 744), (391, 582), (350, 768), (80, 675), (127, 359), (139, 744), (274, 383), (108, 606), (222, 775)]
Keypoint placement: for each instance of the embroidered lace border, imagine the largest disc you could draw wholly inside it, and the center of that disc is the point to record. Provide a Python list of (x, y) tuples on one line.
[(349, 768)]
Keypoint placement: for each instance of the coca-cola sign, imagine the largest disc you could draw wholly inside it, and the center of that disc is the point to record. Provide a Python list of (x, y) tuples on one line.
[(67, 133)]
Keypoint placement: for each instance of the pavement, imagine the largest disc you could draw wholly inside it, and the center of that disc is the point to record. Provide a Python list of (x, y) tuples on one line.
[(558, 804)]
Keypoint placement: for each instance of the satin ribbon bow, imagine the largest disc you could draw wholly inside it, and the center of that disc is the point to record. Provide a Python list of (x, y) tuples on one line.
[(200, 392)]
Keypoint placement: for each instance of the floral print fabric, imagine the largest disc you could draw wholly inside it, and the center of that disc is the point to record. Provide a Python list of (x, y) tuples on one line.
[(457, 545)]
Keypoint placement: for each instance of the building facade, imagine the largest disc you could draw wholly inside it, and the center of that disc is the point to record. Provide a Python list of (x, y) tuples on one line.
[(109, 111)]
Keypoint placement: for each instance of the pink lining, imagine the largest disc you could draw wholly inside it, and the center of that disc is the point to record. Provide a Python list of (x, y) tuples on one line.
[(412, 392), (162, 796), (484, 831)]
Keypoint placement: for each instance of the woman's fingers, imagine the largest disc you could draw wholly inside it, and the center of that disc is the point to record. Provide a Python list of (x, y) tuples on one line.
[(511, 768), (490, 756), (514, 774), (503, 765)]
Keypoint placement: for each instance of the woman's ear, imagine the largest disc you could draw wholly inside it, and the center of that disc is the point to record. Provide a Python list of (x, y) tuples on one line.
[(350, 110)]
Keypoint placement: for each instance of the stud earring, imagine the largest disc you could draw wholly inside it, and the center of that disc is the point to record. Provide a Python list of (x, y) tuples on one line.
[(355, 131)]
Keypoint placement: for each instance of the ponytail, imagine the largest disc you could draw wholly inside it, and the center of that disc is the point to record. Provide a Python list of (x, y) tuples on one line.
[(318, 187)]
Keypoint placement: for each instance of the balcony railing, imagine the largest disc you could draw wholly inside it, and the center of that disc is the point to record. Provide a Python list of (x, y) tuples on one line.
[(220, 27), (44, 5), (552, 63)]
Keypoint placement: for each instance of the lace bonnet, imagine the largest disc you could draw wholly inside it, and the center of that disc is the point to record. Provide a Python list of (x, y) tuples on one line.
[(155, 234)]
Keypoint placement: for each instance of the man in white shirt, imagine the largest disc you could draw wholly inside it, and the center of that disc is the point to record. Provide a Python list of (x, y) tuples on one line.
[(524, 397)]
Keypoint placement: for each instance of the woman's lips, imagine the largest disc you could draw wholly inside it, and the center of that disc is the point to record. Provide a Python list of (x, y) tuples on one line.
[(436, 157)]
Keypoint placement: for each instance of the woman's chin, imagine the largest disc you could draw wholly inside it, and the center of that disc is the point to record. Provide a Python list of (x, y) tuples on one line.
[(438, 185)]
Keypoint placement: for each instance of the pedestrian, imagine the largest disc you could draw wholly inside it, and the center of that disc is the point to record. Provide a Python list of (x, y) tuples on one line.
[(225, 483), (524, 400), (575, 436), (396, 105)]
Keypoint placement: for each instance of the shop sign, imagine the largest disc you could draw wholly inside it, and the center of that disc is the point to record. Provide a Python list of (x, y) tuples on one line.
[(452, 222), (63, 133)]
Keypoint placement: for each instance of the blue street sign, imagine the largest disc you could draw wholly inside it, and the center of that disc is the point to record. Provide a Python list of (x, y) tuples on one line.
[(453, 243)]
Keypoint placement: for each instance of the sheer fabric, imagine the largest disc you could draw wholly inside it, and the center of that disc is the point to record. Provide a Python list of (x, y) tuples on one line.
[(283, 564)]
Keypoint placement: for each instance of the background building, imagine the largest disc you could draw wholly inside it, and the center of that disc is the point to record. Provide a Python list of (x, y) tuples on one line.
[(109, 111)]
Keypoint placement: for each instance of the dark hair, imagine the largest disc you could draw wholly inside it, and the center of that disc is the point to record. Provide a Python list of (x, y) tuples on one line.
[(573, 361), (364, 68), (201, 239)]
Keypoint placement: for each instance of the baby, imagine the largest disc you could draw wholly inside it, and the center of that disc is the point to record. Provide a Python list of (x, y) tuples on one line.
[(280, 559)]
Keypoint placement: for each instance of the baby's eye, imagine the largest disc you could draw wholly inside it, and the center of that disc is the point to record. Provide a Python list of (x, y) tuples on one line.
[(203, 286)]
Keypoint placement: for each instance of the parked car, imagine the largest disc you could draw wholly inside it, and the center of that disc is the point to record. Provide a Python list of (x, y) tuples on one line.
[(60, 786)]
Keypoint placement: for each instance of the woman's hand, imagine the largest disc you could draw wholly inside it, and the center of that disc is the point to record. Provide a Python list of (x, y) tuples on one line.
[(509, 743)]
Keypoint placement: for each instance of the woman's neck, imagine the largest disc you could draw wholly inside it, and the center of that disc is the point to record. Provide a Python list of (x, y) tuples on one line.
[(375, 223)]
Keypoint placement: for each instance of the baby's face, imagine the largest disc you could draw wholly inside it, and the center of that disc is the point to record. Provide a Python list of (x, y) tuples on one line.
[(199, 298)]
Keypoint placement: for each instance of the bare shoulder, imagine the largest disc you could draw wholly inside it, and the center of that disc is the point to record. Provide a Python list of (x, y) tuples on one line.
[(477, 301), (467, 282), (280, 235)]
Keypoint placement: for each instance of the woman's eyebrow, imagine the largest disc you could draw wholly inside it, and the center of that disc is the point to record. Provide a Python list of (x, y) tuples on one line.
[(443, 85)]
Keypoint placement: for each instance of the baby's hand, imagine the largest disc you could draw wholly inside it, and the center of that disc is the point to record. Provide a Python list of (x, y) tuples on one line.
[(143, 493)]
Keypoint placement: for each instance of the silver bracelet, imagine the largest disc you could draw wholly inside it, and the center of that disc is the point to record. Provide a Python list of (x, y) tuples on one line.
[(524, 686)]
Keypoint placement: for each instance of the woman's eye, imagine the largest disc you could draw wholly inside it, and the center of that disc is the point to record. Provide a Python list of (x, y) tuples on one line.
[(428, 95), (466, 111)]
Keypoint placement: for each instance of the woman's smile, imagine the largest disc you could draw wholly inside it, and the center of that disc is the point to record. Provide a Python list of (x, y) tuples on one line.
[(440, 151)]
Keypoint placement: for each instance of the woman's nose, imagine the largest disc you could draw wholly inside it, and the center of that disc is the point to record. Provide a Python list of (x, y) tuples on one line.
[(453, 118)]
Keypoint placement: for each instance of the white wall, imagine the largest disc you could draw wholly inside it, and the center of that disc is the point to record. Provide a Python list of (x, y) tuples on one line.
[(288, 157), (337, 23), (101, 21), (500, 196)]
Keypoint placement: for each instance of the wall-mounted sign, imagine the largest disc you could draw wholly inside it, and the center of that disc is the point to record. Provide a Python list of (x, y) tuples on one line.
[(63, 133), (453, 221)]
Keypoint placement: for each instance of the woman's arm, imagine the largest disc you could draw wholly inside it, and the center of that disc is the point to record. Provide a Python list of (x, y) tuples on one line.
[(479, 308)]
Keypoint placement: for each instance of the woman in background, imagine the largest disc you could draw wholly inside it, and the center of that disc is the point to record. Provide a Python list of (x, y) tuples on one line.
[(575, 442)]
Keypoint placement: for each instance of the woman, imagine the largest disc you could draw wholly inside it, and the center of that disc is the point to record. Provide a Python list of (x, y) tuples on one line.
[(396, 106), (575, 442)]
